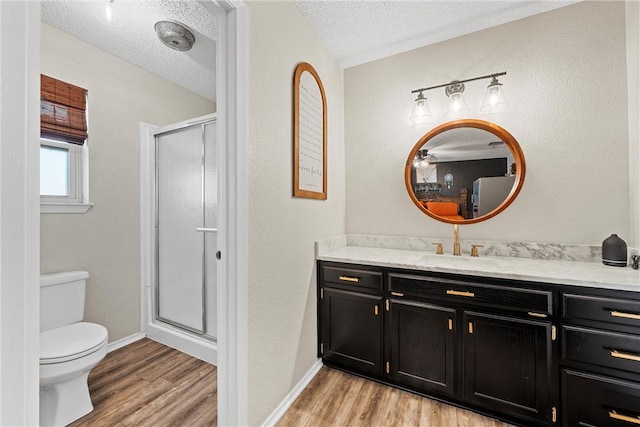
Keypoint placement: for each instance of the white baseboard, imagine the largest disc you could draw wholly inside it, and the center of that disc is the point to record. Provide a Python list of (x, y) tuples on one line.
[(125, 341), (293, 395)]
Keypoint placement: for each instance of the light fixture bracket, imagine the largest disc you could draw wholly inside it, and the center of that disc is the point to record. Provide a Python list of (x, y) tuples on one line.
[(488, 76), (495, 82), (454, 87)]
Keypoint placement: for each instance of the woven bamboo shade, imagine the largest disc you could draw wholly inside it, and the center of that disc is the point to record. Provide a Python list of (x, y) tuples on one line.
[(62, 111)]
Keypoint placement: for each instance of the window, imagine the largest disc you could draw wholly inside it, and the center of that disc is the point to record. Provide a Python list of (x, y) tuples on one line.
[(60, 172), (63, 148)]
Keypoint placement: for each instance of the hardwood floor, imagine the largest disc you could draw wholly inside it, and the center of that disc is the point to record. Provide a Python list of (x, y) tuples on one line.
[(149, 384), (335, 398)]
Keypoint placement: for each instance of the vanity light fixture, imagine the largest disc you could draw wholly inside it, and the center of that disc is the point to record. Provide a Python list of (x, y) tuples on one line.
[(494, 100)]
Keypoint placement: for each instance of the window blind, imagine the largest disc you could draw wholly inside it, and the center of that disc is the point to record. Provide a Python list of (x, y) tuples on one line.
[(62, 111)]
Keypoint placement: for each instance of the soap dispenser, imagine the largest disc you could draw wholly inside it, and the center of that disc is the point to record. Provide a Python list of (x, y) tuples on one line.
[(614, 251)]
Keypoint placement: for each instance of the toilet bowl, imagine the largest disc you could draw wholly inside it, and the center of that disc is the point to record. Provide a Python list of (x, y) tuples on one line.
[(69, 349)]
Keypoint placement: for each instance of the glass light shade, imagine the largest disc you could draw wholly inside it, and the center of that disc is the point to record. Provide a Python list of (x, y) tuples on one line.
[(421, 112), (494, 100), (457, 105)]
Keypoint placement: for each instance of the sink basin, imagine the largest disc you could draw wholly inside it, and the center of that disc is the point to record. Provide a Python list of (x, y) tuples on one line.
[(463, 260)]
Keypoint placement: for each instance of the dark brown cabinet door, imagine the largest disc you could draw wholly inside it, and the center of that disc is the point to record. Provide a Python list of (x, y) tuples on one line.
[(422, 341), (594, 400), (351, 325), (507, 365)]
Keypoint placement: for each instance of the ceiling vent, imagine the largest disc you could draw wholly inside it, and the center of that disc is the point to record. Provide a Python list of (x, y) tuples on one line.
[(175, 35)]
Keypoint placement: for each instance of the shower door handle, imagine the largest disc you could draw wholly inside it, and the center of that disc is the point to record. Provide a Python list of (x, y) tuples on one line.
[(207, 230)]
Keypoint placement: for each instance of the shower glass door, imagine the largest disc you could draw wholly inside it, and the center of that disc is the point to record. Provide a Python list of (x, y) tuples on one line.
[(186, 227)]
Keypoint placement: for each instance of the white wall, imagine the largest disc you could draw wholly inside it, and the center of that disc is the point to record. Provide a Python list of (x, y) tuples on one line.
[(105, 240), (633, 84), (282, 229), (567, 87)]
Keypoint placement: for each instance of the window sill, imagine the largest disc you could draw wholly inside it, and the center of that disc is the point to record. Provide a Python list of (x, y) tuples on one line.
[(65, 207)]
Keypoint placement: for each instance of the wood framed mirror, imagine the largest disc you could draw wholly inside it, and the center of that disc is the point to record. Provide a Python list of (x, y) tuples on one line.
[(465, 171)]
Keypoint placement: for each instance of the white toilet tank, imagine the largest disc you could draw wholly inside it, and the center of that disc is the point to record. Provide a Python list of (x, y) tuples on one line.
[(61, 299)]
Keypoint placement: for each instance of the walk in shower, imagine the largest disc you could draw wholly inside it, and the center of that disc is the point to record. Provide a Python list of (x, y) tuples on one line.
[(182, 301)]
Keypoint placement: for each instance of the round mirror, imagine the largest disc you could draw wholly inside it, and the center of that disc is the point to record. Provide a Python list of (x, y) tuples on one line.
[(465, 171)]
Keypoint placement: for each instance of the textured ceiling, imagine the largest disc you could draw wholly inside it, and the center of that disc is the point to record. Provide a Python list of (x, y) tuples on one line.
[(354, 31), (131, 36), (359, 31), (466, 144)]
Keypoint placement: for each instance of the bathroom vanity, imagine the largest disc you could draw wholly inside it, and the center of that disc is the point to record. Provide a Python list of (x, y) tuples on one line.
[(529, 341), (536, 334)]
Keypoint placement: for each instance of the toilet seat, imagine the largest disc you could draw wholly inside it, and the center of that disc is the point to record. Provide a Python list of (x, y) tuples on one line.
[(71, 342)]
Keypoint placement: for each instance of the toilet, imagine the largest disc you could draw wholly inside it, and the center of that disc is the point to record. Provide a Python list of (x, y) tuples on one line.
[(69, 348)]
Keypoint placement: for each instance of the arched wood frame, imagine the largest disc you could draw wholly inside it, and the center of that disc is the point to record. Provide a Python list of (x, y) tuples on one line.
[(297, 190), (498, 131)]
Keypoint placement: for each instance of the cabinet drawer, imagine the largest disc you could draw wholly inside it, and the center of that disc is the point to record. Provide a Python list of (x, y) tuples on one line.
[(593, 400), (352, 277), (610, 310), (531, 300), (609, 349)]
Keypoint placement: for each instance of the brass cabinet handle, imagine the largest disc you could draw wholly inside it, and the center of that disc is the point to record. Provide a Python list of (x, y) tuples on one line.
[(625, 315), (534, 314), (616, 416), (349, 279), (460, 293), (619, 355), (397, 294)]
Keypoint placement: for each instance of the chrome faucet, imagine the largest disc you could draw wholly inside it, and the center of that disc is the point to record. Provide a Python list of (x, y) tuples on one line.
[(456, 240)]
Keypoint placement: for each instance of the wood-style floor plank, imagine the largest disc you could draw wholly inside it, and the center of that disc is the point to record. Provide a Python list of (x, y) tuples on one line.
[(335, 398), (361, 408), (130, 400), (149, 384), (170, 408), (332, 401), (407, 410), (299, 413), (351, 393)]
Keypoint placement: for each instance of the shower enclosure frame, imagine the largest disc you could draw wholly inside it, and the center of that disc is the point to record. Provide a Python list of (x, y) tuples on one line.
[(202, 122), (185, 339)]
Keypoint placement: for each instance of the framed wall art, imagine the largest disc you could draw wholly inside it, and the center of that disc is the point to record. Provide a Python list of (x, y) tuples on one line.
[(309, 134)]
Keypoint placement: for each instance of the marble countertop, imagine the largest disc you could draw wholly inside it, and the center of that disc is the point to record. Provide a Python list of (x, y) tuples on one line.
[(588, 274)]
